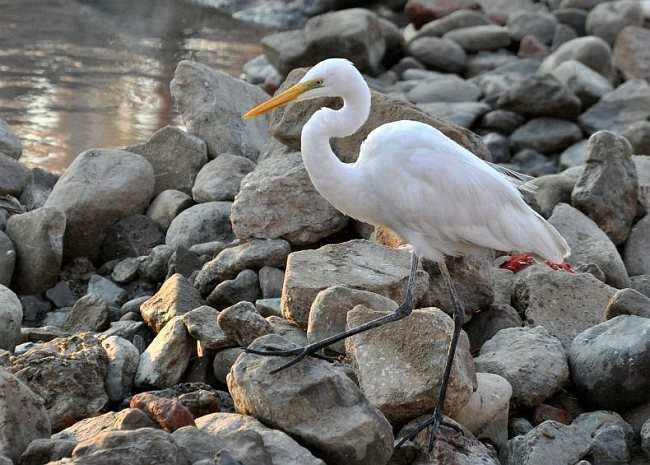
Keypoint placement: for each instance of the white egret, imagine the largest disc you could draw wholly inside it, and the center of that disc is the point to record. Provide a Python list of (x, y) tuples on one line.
[(409, 177)]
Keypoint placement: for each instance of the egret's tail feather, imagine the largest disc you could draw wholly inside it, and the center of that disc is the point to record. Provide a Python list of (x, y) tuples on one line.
[(553, 246)]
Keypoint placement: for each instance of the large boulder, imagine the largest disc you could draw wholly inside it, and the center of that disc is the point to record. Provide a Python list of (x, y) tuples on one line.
[(201, 223), (211, 103), (99, 188), (11, 317), (631, 54)]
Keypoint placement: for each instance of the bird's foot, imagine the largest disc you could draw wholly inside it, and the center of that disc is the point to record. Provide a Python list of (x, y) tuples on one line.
[(298, 353), (560, 267), (433, 424), (518, 262)]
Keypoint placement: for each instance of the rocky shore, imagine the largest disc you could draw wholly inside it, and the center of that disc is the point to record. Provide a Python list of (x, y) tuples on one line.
[(130, 285)]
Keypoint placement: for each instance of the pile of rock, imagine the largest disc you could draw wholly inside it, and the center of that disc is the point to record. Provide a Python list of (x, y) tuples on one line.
[(130, 286)]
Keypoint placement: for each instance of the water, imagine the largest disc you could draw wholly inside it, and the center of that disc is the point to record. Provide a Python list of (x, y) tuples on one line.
[(81, 74)]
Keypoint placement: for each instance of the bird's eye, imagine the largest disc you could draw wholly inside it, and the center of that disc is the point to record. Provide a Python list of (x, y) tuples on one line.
[(320, 82)]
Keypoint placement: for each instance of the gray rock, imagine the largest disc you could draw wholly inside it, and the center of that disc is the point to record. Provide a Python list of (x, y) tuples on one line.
[(61, 295), (642, 165), (211, 102), (463, 114), (533, 163), (42, 451), (608, 19), (551, 190), (11, 316), (591, 51), (271, 281), (540, 25), (387, 377), (88, 428), (260, 71), (635, 253), (13, 176), (502, 75), (37, 189), (499, 147), (439, 54), (136, 332), (7, 259), (90, 313), (213, 248), (645, 438), (245, 287), (168, 205), (546, 135), (608, 362), (607, 189), (625, 105), (269, 307), (641, 283), (456, 20), (589, 244), (223, 362), (10, 144), (477, 38), (638, 135), (450, 89), (575, 18), (287, 330), (38, 239), (220, 179), (132, 236), (585, 83), (126, 270), (201, 223), (22, 416), (153, 268), (502, 121), (630, 52), (355, 434), (185, 263), (123, 359), (163, 363), (176, 297), (487, 323), (532, 361), (106, 290), (242, 324), (575, 155), (487, 61), (203, 326), (121, 184)]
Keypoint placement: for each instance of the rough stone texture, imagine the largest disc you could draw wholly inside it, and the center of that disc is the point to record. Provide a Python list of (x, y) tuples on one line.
[(635, 253), (477, 38), (11, 317), (68, 374), (638, 135), (278, 200), (165, 360), (90, 313), (127, 419), (584, 82), (463, 114), (38, 188), (608, 19), (643, 174), (329, 310), (271, 282), (546, 135), (552, 190), (400, 365), (439, 54), (223, 362), (220, 179), (106, 290), (211, 103), (589, 244), (7, 259), (608, 188), (484, 325), (13, 176), (123, 359), (631, 53), (609, 362), (42, 451), (22, 416), (591, 51), (565, 304), (10, 144), (170, 414), (358, 264), (168, 205), (244, 288), (38, 239), (176, 297), (201, 223), (203, 326), (305, 401), (242, 324), (645, 438), (532, 361), (132, 236)]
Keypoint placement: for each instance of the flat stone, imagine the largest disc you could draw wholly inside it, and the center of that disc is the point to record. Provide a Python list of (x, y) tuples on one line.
[(420, 12), (203, 326), (90, 313), (220, 178), (123, 359), (61, 295), (106, 290), (11, 317), (88, 428), (176, 297), (126, 270), (496, 72), (201, 223), (477, 38), (502, 121), (546, 135), (168, 205), (631, 55), (591, 51), (287, 330), (242, 324), (438, 54)]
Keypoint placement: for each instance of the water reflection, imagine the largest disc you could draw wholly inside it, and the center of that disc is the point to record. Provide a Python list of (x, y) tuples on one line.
[(76, 75)]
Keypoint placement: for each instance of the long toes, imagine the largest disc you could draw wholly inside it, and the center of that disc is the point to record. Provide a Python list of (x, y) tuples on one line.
[(291, 362), (273, 352)]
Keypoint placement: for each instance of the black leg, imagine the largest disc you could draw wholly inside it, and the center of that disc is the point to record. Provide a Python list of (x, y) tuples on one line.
[(402, 311), (436, 419)]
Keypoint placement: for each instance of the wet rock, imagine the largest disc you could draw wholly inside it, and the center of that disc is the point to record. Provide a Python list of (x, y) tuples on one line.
[(132, 236), (201, 223), (68, 374), (7, 259), (540, 25), (220, 179), (630, 52), (420, 12), (487, 323), (589, 244), (609, 359), (477, 38), (210, 103), (242, 324), (13, 176), (546, 135), (168, 205), (565, 304), (42, 451), (502, 121), (607, 189), (99, 188), (439, 54), (22, 416), (532, 361), (625, 105), (170, 414), (38, 240), (123, 359), (244, 288), (329, 310), (384, 360), (456, 20), (608, 19), (11, 316), (90, 313), (165, 360), (37, 189), (585, 83), (176, 297), (176, 158), (357, 264), (223, 362), (271, 281), (638, 135), (10, 144), (87, 429), (591, 51), (637, 260), (203, 326), (355, 433)]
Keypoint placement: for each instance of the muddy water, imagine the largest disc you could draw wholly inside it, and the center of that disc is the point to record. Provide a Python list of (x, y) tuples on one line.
[(95, 73)]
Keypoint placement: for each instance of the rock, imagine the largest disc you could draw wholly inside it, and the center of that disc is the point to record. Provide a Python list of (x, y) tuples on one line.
[(68, 374), (7, 259), (210, 103), (585, 83), (420, 12), (176, 297), (329, 310), (11, 316), (242, 324), (22, 416), (202, 325), (532, 361), (126, 270), (106, 290), (643, 174), (353, 434), (170, 414), (464, 114), (551, 190), (165, 360), (439, 54), (637, 260), (502, 121), (220, 179), (223, 362), (123, 359), (201, 223), (540, 25), (532, 162), (185, 263), (42, 451), (563, 303), (575, 18), (287, 330), (638, 135), (451, 89), (591, 51), (271, 281), (244, 288), (608, 19), (499, 147), (213, 248), (499, 73), (10, 144), (13, 176), (531, 47), (38, 239), (546, 135), (251, 442), (132, 236), (37, 189), (90, 313), (575, 155), (477, 38), (645, 438), (609, 359), (630, 54), (87, 429), (486, 412), (456, 20), (487, 323), (168, 205), (625, 105), (269, 307), (641, 283), (153, 268), (385, 372), (607, 189), (61, 295), (358, 264), (201, 402), (589, 244)]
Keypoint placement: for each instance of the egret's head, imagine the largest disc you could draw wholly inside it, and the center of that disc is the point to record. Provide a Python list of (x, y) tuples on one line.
[(329, 78)]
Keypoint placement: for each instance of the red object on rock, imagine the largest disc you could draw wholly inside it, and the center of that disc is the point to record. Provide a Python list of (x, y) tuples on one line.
[(420, 12), (545, 412), (170, 414), (560, 267), (518, 262)]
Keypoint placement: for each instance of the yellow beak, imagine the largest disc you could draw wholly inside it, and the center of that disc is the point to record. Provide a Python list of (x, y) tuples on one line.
[(281, 99)]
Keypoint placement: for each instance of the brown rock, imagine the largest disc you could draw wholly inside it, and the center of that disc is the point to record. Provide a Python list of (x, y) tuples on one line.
[(632, 54), (170, 414), (175, 298), (420, 12)]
